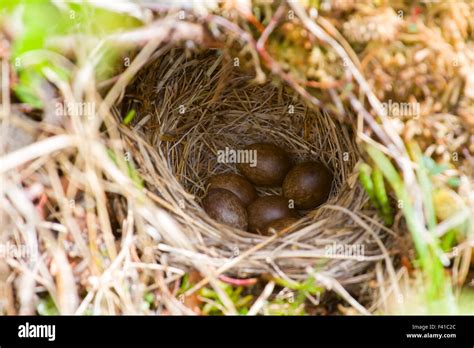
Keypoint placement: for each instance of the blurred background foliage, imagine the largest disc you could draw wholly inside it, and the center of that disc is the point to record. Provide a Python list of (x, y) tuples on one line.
[(41, 25)]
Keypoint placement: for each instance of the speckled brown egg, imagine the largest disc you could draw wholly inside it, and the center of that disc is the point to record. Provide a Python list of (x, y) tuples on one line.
[(278, 225), (236, 184), (267, 209), (272, 164), (308, 184), (225, 207)]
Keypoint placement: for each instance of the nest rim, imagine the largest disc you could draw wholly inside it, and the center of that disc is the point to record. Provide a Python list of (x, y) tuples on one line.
[(217, 243)]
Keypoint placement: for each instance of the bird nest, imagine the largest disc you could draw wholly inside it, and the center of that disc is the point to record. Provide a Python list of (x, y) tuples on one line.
[(192, 105)]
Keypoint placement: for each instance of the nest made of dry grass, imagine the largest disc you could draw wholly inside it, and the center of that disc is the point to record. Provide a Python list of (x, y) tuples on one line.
[(189, 106), (119, 241)]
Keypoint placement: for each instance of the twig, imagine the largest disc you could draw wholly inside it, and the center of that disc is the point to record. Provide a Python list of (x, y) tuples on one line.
[(238, 282), (333, 284), (262, 299), (40, 148)]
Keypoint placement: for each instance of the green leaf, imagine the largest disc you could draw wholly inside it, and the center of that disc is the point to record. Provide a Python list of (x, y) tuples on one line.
[(365, 179), (422, 173), (46, 306), (454, 182), (448, 240), (131, 171), (381, 196), (433, 167), (27, 95), (439, 294), (129, 117)]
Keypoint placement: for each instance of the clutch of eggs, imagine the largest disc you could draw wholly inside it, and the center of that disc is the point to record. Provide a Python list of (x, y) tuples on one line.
[(233, 200)]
